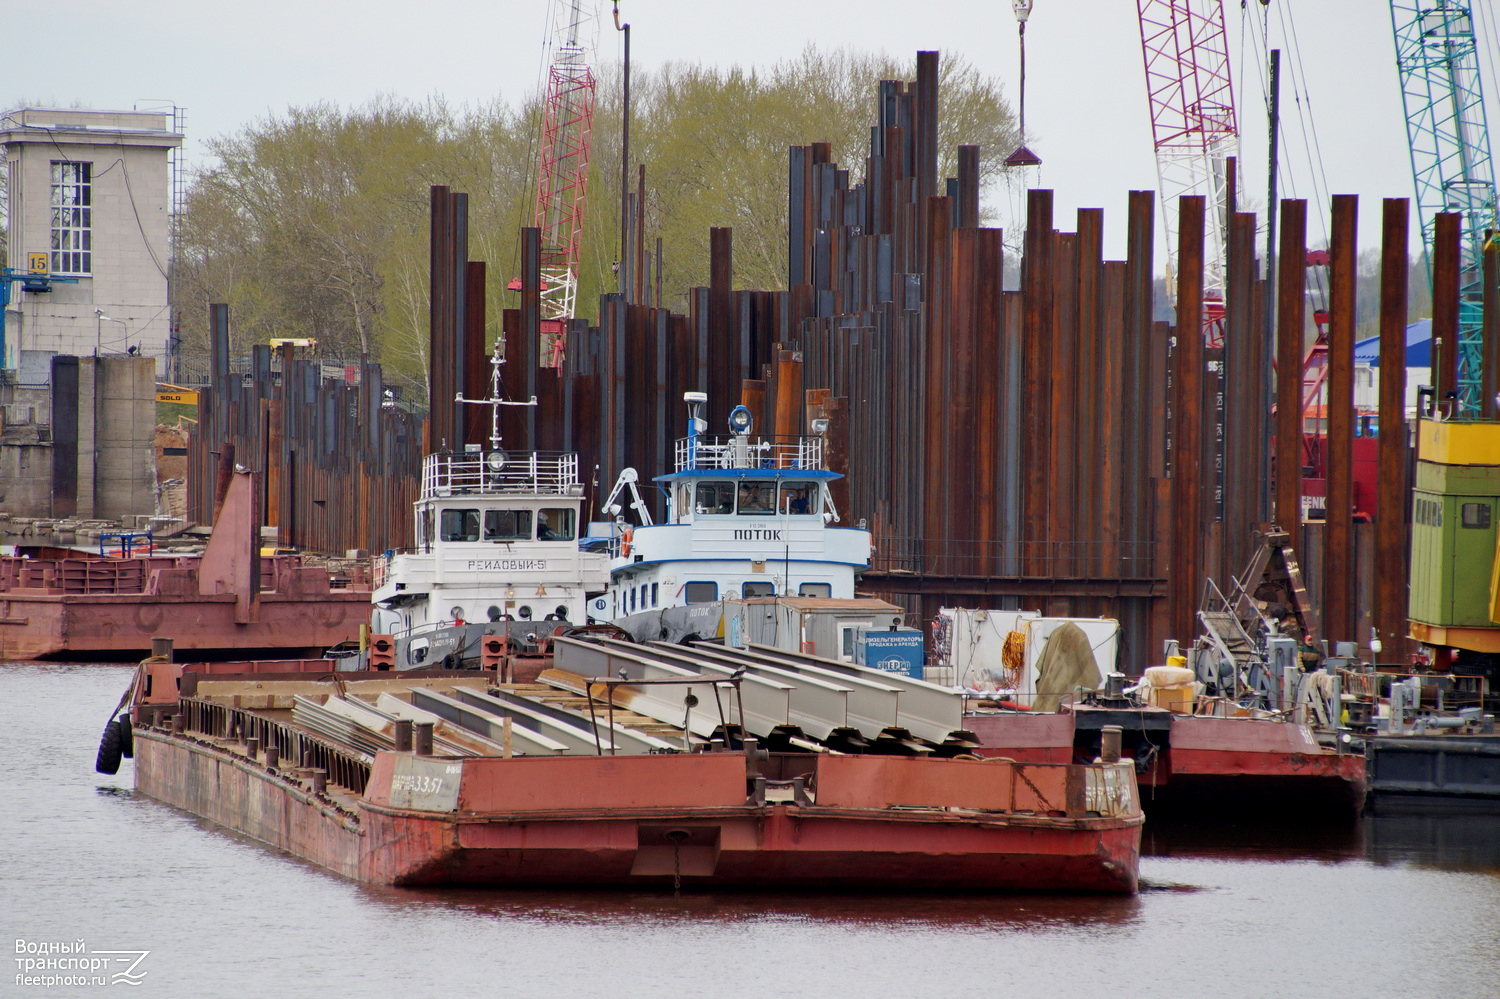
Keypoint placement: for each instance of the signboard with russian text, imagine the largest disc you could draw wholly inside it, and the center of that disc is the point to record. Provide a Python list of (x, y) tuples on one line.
[(902, 651)]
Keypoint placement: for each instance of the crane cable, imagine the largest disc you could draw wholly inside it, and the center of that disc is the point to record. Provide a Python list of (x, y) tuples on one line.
[(1307, 124)]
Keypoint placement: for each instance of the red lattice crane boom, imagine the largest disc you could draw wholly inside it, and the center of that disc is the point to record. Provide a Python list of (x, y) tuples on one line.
[(562, 184), (1193, 124)]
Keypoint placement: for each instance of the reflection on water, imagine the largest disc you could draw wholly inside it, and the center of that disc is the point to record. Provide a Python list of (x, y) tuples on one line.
[(894, 912), (1455, 841), (1284, 908), (1246, 838)]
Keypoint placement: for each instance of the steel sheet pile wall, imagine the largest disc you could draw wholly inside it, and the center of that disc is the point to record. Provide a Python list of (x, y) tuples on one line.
[(1001, 443), (623, 380), (340, 467)]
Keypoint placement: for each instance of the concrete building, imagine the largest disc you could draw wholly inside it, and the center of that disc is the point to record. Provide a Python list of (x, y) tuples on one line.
[(92, 191), (90, 197)]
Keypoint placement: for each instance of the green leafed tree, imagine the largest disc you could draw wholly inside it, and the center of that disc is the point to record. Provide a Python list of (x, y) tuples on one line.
[(315, 223), (714, 143)]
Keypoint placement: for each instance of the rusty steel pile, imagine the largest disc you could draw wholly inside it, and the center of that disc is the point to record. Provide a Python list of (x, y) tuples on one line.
[(1052, 443), (339, 466)]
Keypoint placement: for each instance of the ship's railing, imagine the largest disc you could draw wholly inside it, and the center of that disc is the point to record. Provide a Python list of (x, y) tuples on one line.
[(548, 472), (1099, 560), (786, 452), (295, 747)]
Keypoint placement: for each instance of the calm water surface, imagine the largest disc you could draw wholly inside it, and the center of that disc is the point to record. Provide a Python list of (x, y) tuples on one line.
[(1389, 907)]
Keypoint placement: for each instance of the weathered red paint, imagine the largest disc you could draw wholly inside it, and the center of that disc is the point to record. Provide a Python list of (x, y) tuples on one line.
[(640, 820), (1213, 755), (229, 598)]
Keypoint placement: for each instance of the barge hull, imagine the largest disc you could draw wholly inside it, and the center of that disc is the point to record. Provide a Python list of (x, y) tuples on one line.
[(599, 839), (1192, 760)]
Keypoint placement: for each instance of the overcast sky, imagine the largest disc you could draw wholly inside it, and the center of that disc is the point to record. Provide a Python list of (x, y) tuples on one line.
[(228, 65)]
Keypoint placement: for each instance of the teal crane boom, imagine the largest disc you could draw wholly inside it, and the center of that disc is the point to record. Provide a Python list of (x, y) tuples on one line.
[(1438, 62)]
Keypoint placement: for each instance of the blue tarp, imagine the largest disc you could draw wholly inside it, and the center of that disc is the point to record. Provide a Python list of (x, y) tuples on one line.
[(1418, 347)]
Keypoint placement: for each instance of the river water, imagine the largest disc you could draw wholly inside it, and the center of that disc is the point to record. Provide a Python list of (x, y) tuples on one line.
[(1382, 907)]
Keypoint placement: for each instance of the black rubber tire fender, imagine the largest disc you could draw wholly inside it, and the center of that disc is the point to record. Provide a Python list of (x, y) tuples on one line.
[(127, 736), (108, 760)]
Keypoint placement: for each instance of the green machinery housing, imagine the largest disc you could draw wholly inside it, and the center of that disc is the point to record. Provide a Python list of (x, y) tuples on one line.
[(1453, 606)]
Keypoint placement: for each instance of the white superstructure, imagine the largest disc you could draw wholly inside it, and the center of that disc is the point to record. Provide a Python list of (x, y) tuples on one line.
[(497, 552), (747, 516)]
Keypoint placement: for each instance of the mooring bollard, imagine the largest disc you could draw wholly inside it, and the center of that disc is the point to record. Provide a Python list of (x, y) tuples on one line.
[(423, 738), (403, 735), (319, 781), (1109, 744), (273, 756), (178, 724), (161, 648), (252, 747)]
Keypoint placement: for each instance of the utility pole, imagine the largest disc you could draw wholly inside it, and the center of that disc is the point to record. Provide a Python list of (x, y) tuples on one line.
[(624, 268), (1268, 298)]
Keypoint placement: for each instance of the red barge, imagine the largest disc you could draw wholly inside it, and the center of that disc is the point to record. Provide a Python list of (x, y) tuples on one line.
[(231, 600), (1187, 760), (591, 777)]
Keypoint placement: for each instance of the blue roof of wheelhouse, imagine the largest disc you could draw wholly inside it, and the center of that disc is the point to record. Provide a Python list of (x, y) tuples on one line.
[(1418, 347)]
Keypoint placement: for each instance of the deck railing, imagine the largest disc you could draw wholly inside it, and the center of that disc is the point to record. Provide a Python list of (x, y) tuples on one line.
[(295, 747), (783, 452), (548, 472)]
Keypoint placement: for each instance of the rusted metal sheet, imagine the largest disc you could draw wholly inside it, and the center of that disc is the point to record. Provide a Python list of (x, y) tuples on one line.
[(1036, 399), (1187, 420), (1446, 281), (1390, 610), (1338, 588), (1243, 347), (477, 363), (1290, 346), (345, 463), (1143, 383)]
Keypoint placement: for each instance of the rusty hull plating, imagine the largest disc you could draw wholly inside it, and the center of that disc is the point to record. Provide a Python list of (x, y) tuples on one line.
[(705, 818)]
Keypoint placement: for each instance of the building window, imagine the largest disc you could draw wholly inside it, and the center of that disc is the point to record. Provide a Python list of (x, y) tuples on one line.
[(72, 218)]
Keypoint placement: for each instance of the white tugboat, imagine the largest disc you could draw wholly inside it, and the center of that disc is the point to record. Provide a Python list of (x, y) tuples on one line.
[(748, 518), (496, 552)]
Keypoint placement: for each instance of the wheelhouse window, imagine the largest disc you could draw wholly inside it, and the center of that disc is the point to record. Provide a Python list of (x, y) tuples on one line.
[(1476, 515), (701, 592), (759, 589), (815, 590), (556, 524), (757, 499), (798, 499), (507, 525), (459, 525), (715, 498), (72, 218)]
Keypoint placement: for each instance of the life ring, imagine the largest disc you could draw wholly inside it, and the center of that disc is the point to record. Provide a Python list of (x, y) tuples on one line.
[(625, 538)]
